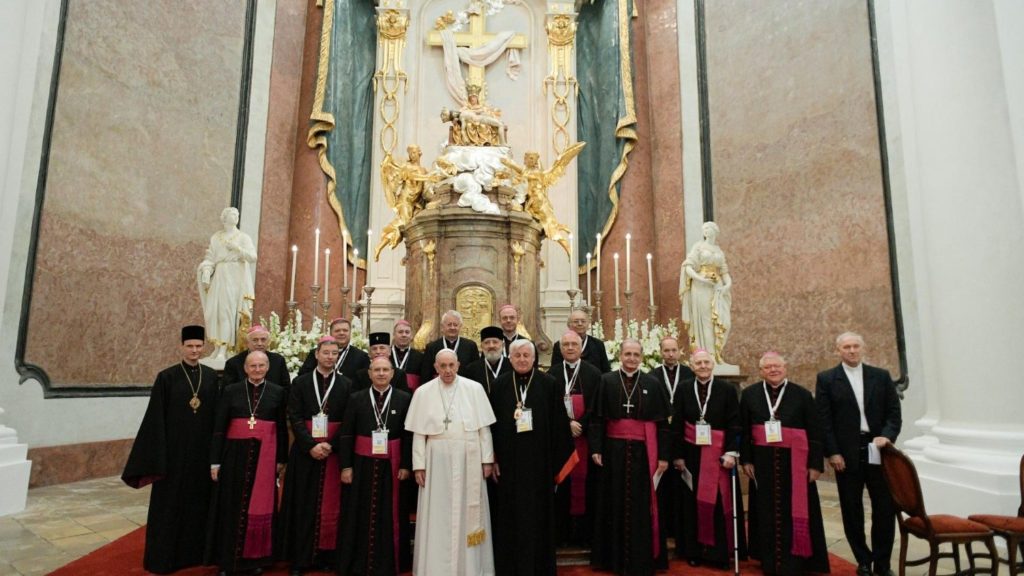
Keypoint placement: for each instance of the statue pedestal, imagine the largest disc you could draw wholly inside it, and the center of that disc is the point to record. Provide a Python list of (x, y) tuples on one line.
[(14, 472), (471, 262)]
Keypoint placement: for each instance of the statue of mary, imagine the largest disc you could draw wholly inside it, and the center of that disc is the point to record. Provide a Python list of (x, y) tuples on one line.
[(226, 283), (705, 289)]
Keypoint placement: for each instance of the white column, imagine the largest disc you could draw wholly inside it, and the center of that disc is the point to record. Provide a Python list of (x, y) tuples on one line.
[(956, 129), (14, 471)]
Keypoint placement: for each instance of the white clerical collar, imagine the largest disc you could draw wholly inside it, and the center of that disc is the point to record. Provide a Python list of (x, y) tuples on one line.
[(705, 382), (323, 374), (629, 374), (672, 367), (572, 365)]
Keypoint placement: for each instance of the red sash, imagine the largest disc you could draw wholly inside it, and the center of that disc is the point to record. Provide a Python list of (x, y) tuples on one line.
[(413, 380), (578, 478), (364, 447), (713, 481), (330, 501), (646, 432), (794, 439), (260, 515)]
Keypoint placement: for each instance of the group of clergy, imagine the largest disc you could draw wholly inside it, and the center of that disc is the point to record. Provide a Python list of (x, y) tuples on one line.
[(500, 461)]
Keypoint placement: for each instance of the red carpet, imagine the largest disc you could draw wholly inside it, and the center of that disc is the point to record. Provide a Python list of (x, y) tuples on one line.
[(123, 557)]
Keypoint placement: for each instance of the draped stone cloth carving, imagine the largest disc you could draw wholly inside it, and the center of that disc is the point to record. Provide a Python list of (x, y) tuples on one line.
[(481, 56)]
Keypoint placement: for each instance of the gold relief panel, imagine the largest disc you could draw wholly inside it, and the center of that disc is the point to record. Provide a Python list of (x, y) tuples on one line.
[(476, 304)]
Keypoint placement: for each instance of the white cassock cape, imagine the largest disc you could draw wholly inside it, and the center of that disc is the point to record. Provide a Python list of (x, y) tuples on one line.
[(453, 503)]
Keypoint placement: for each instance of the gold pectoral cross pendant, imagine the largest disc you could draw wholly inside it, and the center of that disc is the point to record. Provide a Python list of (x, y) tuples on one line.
[(194, 403), (252, 422)]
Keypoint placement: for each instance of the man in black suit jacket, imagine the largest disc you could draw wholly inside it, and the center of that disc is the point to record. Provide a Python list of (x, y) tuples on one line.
[(350, 358), (258, 338), (593, 348), (464, 348), (859, 406)]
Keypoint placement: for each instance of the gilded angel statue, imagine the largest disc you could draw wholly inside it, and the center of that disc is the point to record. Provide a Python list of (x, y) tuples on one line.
[(404, 189), (538, 181)]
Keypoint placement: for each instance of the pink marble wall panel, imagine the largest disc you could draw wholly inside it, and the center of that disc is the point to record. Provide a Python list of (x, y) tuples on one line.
[(797, 180), (74, 462), (284, 119), (140, 168)]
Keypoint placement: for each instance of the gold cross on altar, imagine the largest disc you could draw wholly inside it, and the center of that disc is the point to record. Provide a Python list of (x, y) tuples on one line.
[(476, 37)]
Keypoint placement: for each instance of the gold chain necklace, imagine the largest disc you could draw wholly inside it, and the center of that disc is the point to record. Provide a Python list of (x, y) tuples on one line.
[(194, 403)]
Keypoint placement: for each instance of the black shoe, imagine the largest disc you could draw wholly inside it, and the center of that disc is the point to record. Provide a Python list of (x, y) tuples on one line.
[(693, 562), (864, 570), (885, 572)]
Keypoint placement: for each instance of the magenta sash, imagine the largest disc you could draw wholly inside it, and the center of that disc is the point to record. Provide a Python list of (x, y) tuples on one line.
[(646, 432), (794, 439), (713, 481), (330, 500), (413, 380), (364, 447), (578, 477), (260, 515)]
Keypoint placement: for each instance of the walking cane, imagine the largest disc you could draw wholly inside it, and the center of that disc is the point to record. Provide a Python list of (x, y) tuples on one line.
[(735, 523)]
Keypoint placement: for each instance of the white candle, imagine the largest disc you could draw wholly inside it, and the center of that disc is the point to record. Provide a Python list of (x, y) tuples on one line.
[(588, 279), (295, 257), (369, 250), (650, 278), (629, 237), (316, 256), (572, 264), (327, 274), (598, 256), (616, 258), (355, 273), (344, 259)]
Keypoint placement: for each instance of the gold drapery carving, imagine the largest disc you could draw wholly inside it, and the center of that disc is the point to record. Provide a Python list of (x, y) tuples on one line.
[(392, 27)]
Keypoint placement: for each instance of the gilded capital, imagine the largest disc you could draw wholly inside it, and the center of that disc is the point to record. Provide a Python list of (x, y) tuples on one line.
[(392, 24)]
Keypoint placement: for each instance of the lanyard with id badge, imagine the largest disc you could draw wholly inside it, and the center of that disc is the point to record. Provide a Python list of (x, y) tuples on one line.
[(380, 435), (570, 383), (773, 427), (523, 416), (320, 418), (703, 429)]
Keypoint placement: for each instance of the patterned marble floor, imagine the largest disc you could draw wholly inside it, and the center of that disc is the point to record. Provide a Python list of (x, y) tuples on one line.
[(62, 523)]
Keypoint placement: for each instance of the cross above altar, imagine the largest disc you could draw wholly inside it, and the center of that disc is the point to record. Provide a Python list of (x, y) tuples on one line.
[(476, 37)]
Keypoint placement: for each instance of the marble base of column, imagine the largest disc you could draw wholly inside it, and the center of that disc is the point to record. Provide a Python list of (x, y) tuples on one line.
[(14, 472)]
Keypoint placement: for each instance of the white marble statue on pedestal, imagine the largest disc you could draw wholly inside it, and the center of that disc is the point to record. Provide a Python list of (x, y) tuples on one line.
[(705, 289), (14, 471), (226, 283)]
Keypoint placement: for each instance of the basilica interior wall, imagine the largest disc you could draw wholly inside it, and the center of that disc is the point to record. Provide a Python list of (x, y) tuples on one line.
[(797, 181)]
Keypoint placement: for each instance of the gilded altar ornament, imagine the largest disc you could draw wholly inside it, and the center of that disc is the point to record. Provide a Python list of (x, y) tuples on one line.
[(538, 181), (404, 189), (444, 21), (561, 31), (392, 26), (476, 304), (430, 251), (517, 256), (475, 124), (422, 337)]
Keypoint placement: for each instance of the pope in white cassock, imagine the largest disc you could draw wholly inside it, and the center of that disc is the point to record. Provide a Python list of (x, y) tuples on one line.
[(452, 454)]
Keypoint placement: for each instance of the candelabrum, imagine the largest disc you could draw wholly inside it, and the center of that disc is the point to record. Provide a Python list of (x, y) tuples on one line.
[(617, 309), (595, 309), (652, 311), (368, 290), (344, 299), (625, 322), (315, 289), (326, 305), (291, 310), (573, 293)]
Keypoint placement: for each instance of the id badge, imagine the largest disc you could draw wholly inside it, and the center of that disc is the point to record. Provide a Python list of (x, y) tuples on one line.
[(568, 407), (320, 426), (380, 442), (525, 421), (703, 434), (772, 431)]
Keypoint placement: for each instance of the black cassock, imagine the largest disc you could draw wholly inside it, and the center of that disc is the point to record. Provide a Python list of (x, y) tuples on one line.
[(238, 459), (234, 369), (350, 361), (410, 361), (522, 503), (303, 514), (569, 528), (670, 489), (722, 413), (482, 371), (171, 451), (623, 531), (362, 380), (593, 352), (771, 517), (465, 349), (366, 540)]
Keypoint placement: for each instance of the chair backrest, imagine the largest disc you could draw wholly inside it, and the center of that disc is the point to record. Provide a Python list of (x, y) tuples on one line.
[(904, 485)]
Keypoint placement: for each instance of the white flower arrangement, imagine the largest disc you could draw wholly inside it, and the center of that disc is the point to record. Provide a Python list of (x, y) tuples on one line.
[(294, 343), (649, 335)]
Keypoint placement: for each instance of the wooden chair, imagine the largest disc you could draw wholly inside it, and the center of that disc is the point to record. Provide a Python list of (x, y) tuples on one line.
[(1009, 527), (937, 529)]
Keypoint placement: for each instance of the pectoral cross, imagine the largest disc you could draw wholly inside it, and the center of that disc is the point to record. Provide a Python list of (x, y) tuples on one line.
[(252, 422), (446, 421), (628, 406), (476, 37)]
